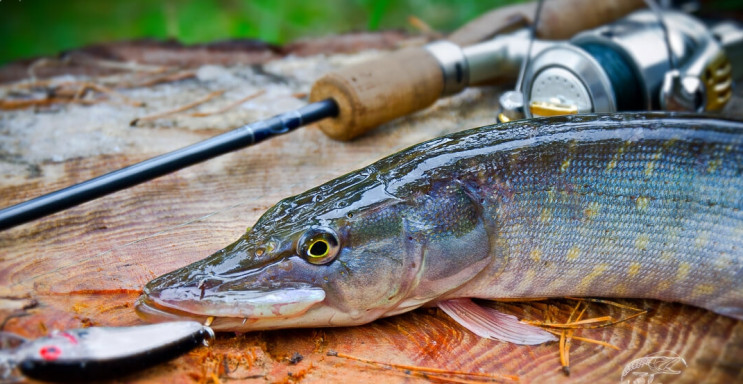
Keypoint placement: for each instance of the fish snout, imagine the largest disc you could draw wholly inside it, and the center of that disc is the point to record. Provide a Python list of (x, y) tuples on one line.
[(205, 296)]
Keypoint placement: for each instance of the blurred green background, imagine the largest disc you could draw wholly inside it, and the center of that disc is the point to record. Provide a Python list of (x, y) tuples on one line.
[(30, 28)]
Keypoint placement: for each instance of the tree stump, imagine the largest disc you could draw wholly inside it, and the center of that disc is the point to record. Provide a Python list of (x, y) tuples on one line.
[(86, 266)]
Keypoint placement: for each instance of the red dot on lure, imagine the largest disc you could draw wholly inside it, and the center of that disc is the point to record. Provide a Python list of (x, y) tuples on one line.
[(50, 352)]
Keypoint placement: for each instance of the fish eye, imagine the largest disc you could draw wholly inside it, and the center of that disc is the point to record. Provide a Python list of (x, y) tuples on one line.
[(318, 245)]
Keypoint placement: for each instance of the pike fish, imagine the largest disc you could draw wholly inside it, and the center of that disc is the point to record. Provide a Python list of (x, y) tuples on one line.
[(620, 205)]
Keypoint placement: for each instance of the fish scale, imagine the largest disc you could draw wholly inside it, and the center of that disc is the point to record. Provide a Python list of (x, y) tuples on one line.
[(619, 205), (658, 200)]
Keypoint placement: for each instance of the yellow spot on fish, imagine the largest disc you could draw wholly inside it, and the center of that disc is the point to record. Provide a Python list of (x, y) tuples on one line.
[(642, 203), (592, 210), (650, 166), (565, 165), (573, 253), (701, 240), (642, 242), (546, 215), (536, 254), (598, 269), (713, 165), (704, 289), (620, 289), (551, 196), (663, 285), (615, 160), (634, 269), (683, 270), (612, 165)]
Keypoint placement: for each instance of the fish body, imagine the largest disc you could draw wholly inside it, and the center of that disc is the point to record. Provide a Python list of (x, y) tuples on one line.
[(621, 205)]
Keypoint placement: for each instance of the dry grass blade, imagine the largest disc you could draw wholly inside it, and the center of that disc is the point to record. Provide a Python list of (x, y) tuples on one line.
[(21, 104), (564, 345), (166, 78), (585, 339), (40, 63), (84, 86), (573, 324), (132, 66), (615, 322), (65, 92), (229, 106), (178, 109)]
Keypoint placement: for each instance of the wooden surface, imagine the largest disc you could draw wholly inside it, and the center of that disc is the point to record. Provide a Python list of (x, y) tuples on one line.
[(86, 266)]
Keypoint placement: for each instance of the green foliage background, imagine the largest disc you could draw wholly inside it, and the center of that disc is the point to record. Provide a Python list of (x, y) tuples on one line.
[(31, 28)]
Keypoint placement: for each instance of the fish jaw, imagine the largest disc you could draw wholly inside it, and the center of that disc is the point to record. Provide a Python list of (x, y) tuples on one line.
[(286, 302), (316, 316), (296, 307)]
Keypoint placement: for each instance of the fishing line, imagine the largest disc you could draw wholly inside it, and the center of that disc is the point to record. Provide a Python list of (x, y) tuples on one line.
[(658, 11), (533, 36)]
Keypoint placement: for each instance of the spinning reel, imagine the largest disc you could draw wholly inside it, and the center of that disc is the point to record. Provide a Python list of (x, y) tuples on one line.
[(664, 60)]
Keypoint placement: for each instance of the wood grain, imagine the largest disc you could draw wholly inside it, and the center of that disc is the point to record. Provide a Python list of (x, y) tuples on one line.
[(85, 266)]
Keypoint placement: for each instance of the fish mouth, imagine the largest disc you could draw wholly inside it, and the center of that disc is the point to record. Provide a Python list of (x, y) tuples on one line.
[(151, 312), (225, 307)]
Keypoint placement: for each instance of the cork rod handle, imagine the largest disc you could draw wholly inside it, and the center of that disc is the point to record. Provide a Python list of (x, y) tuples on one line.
[(377, 91)]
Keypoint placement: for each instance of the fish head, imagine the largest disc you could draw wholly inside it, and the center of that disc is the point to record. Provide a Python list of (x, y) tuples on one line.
[(312, 260)]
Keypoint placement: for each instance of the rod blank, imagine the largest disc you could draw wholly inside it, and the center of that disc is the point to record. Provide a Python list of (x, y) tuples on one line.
[(244, 136)]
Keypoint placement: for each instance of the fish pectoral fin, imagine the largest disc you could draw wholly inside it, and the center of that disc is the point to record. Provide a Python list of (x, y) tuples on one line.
[(491, 324)]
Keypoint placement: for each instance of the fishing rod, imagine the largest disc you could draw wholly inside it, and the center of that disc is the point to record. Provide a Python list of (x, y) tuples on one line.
[(353, 100)]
